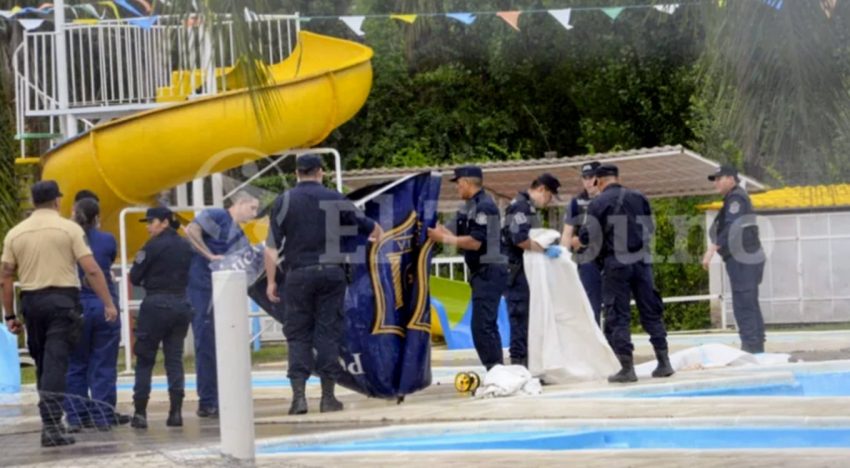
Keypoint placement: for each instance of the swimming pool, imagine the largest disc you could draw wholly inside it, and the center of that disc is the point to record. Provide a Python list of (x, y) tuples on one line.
[(824, 384), (465, 437)]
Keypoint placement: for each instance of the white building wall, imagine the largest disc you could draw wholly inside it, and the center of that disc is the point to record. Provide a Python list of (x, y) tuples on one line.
[(807, 274)]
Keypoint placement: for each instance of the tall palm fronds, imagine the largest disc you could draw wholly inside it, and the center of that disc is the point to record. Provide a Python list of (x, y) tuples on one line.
[(775, 95)]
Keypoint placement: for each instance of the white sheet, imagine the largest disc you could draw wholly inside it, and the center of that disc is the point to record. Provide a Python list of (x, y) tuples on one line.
[(712, 356), (564, 342), (504, 381)]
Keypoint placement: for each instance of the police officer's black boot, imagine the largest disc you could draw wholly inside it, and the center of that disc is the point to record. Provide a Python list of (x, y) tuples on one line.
[(664, 369), (329, 402), (140, 415), (299, 399), (175, 412), (52, 435), (627, 372)]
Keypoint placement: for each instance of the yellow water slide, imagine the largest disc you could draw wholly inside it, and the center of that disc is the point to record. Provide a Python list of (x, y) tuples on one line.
[(132, 160)]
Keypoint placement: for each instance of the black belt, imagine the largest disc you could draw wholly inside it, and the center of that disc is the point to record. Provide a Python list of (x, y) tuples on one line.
[(68, 291), (316, 267), (166, 292)]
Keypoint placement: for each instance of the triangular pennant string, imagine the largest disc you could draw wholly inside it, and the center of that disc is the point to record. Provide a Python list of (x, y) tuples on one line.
[(409, 19), (613, 13), (563, 17), (669, 9), (465, 18), (355, 23), (510, 17)]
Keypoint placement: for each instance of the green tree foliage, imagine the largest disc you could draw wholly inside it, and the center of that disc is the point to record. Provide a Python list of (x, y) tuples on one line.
[(8, 145), (446, 92), (679, 244)]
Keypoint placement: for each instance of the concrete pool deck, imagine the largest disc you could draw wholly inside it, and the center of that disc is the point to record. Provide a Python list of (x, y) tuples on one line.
[(440, 403)]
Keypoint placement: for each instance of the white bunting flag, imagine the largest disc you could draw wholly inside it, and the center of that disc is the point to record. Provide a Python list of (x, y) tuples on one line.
[(355, 23), (563, 17), (669, 8)]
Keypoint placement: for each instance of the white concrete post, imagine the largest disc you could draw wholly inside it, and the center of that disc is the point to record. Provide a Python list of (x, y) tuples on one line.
[(233, 353)]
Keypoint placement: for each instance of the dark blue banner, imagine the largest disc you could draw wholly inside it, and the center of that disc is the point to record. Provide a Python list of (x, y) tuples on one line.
[(387, 351)]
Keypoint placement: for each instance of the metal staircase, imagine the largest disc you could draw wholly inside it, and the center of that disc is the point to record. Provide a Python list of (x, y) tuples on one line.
[(69, 79)]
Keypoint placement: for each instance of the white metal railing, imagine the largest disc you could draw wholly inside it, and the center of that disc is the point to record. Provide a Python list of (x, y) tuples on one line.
[(451, 264), (439, 264), (116, 67)]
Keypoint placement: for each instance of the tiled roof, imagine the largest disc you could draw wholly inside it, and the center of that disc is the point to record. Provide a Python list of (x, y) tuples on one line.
[(666, 171), (812, 196)]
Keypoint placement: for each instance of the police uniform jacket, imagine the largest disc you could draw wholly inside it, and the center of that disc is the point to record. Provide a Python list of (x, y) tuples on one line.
[(735, 226), (520, 217), (625, 220), (162, 266), (576, 216), (300, 230), (479, 219)]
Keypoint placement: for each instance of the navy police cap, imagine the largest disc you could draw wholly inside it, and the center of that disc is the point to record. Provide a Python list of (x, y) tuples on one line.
[(724, 170), (308, 162), (605, 170), (589, 169), (550, 182), (468, 171), (157, 212)]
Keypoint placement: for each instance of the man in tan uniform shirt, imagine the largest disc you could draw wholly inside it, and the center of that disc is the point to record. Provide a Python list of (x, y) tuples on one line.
[(44, 250)]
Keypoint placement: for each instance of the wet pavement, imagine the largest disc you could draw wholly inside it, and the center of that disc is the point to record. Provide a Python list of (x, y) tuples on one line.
[(163, 446), (20, 443)]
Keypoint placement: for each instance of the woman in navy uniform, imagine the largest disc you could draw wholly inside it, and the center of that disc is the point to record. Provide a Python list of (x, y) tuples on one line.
[(162, 268), (478, 235), (92, 372), (576, 216)]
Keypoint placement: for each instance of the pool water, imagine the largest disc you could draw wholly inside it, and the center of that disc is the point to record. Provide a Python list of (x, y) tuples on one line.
[(827, 384), (588, 439)]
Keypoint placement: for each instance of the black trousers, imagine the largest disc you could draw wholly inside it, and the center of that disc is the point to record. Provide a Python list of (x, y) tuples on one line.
[(518, 316), (619, 284), (54, 322), (163, 318), (488, 284), (745, 279), (517, 299), (314, 298)]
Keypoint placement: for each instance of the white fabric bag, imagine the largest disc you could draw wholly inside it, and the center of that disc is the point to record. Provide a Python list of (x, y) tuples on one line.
[(564, 342)]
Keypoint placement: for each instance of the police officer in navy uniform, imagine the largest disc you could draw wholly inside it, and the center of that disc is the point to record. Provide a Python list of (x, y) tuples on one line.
[(735, 235), (576, 216), (520, 217), (622, 234), (162, 268), (308, 242), (477, 234), (92, 369)]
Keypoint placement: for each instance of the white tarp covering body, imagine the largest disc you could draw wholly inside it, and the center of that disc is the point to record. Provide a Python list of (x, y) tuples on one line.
[(564, 342), (713, 356)]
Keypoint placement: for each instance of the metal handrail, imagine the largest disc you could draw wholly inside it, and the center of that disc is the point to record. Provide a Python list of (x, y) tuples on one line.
[(115, 67)]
